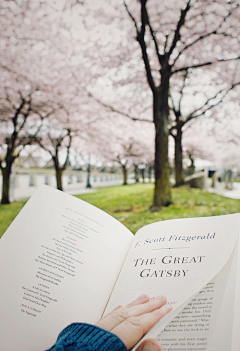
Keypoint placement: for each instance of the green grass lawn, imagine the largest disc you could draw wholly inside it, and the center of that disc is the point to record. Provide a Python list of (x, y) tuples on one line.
[(7, 214), (130, 205)]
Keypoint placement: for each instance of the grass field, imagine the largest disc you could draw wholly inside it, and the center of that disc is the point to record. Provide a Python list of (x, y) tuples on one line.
[(130, 205)]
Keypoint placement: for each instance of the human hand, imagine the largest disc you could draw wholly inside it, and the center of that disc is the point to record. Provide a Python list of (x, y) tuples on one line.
[(133, 321)]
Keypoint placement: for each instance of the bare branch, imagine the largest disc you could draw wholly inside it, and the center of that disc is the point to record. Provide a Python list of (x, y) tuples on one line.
[(111, 108), (8, 98), (204, 64), (39, 142), (181, 91), (166, 43), (160, 57), (141, 39), (131, 16), (194, 114), (47, 115), (26, 114), (181, 22), (202, 37)]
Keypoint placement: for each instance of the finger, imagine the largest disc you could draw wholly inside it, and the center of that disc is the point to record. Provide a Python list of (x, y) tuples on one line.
[(141, 299), (150, 345), (149, 306), (116, 308), (133, 328), (114, 318), (111, 319)]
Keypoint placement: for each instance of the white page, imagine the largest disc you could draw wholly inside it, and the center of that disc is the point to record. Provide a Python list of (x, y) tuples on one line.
[(176, 258), (236, 319), (206, 323), (59, 262)]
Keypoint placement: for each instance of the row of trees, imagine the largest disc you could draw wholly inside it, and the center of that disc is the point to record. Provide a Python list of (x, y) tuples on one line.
[(106, 76)]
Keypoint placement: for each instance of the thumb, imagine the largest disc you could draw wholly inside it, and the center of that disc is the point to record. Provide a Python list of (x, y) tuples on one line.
[(150, 345)]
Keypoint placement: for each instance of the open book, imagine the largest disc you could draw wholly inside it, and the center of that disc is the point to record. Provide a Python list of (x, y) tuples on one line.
[(63, 260)]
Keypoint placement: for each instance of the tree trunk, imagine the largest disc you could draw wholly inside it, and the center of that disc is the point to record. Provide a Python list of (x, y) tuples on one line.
[(88, 184), (150, 173), (192, 169), (124, 169), (6, 185), (136, 173), (162, 192), (59, 173), (178, 159), (143, 174), (192, 165)]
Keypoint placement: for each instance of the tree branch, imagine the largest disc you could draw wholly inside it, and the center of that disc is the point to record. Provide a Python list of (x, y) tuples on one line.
[(194, 115), (159, 56), (111, 108), (68, 148), (141, 39), (181, 91), (214, 32), (181, 22), (39, 142), (26, 114), (131, 16), (204, 64)]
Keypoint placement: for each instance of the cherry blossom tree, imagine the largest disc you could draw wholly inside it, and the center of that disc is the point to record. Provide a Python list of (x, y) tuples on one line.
[(128, 144), (132, 156), (63, 130), (83, 49), (200, 39), (23, 107), (38, 49), (204, 150), (226, 132), (55, 142), (189, 101), (176, 37)]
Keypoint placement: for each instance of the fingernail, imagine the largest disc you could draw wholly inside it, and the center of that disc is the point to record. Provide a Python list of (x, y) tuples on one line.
[(142, 297), (159, 297), (148, 346)]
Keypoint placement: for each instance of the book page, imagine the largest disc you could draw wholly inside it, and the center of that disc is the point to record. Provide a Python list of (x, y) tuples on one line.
[(176, 258), (206, 323), (59, 261), (236, 317)]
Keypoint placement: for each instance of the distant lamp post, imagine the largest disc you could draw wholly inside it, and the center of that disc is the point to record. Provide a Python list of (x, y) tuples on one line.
[(88, 184)]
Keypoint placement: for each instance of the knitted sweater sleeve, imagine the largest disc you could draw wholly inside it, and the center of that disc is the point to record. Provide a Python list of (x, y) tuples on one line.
[(87, 337)]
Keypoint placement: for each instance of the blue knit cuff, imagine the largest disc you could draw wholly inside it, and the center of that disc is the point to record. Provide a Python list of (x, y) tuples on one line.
[(81, 336)]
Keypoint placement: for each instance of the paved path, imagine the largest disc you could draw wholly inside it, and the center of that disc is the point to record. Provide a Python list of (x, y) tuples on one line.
[(221, 190), (74, 189), (22, 194)]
